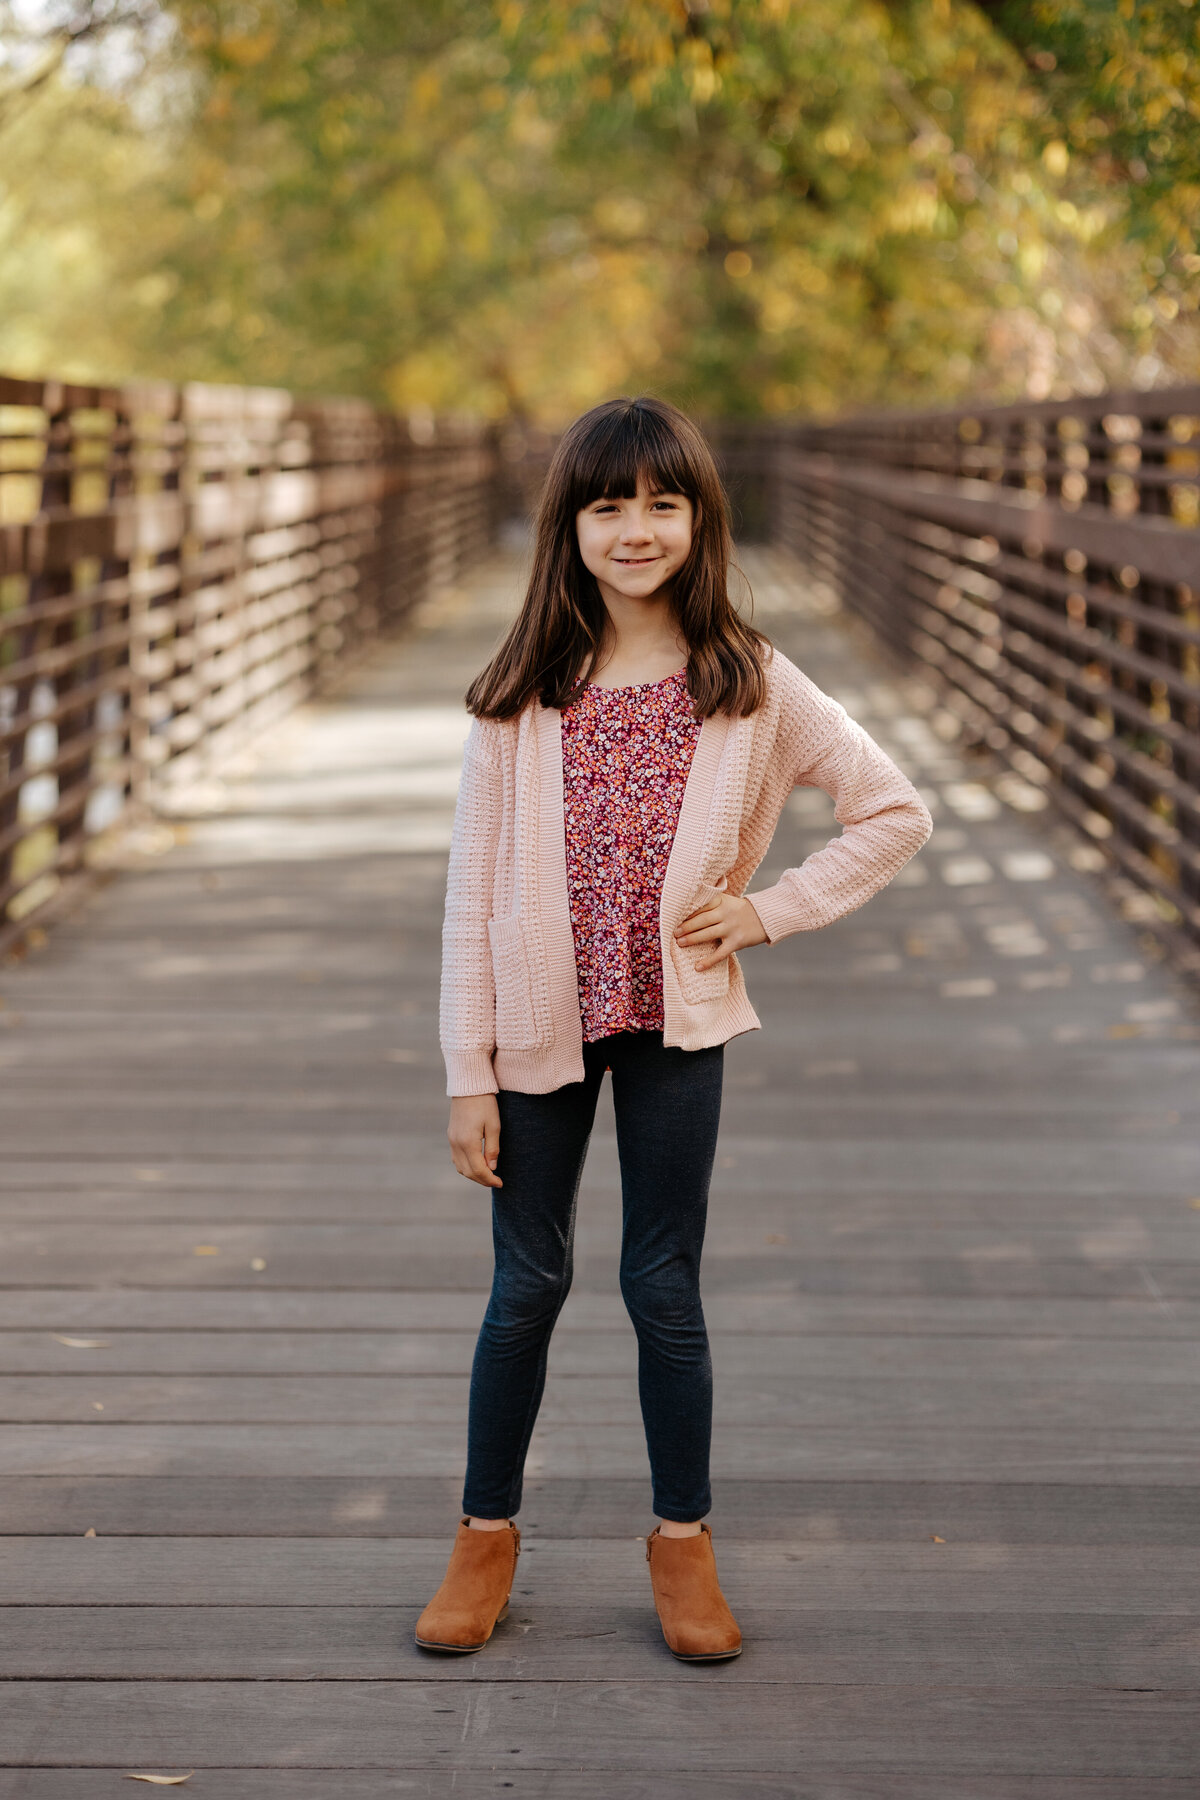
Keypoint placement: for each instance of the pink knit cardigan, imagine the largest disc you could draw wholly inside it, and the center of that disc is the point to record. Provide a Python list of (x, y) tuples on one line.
[(509, 1011)]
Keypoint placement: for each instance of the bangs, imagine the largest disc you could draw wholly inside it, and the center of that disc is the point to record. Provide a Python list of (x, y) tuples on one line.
[(623, 445)]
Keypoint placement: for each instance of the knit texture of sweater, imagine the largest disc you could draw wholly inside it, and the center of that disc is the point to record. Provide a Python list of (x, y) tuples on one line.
[(509, 1014)]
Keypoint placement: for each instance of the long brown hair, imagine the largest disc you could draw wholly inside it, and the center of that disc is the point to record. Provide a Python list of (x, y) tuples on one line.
[(564, 624)]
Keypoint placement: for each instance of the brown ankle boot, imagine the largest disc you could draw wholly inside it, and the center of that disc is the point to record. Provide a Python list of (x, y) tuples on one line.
[(696, 1622), (474, 1596)]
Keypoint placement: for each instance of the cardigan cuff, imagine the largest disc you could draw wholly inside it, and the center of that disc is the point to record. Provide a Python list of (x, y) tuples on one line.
[(780, 915), (469, 1072)]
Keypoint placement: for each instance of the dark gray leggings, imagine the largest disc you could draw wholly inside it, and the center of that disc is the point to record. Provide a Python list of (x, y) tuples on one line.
[(667, 1104)]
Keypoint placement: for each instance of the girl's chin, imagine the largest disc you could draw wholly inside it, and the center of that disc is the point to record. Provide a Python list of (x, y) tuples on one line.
[(645, 589), (635, 572)]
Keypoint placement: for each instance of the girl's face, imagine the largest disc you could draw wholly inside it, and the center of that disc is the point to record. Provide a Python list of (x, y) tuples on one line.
[(633, 547)]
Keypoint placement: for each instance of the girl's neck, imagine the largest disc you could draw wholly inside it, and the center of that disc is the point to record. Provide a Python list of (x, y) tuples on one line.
[(644, 644), (637, 674)]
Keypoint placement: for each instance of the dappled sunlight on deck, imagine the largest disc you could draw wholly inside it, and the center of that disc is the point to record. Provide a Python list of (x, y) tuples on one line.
[(952, 1276)]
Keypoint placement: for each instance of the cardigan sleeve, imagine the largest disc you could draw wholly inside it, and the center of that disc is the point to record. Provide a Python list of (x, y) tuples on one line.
[(467, 1007), (883, 818)]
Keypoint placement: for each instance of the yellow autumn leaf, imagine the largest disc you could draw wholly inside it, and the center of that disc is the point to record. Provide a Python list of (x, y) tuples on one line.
[(206, 1250)]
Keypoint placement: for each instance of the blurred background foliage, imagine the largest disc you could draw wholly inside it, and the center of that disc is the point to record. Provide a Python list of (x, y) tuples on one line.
[(520, 206)]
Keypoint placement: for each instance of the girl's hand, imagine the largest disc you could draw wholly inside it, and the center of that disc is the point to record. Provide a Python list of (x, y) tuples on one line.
[(474, 1135), (730, 922)]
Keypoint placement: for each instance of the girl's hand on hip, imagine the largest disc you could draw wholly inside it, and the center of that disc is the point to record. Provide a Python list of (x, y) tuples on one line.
[(474, 1135), (730, 923)]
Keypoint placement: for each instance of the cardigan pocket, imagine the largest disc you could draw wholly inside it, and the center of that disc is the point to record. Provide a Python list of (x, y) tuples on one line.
[(522, 994), (697, 985)]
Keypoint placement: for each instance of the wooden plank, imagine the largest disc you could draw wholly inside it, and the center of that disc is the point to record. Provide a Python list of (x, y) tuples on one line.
[(1149, 1412), (919, 1577), (356, 1265), (683, 1724), (407, 1783), (440, 1194), (901, 1165), (824, 1453), (1008, 1511), (1033, 1361), (818, 1648), (367, 1041), (730, 1241), (766, 1313)]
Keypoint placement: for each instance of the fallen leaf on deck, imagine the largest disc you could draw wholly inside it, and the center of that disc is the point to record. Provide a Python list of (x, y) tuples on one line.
[(258, 1262), (98, 1405), (206, 1250), (937, 1540), (90, 1532), (83, 1343), (161, 1780)]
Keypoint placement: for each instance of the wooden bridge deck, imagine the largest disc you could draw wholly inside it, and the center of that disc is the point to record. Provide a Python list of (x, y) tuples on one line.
[(953, 1277)]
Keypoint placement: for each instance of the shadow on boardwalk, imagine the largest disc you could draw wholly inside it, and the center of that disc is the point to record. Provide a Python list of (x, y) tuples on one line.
[(953, 1276)]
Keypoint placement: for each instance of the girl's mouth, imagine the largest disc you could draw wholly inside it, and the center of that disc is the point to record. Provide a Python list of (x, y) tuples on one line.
[(634, 562)]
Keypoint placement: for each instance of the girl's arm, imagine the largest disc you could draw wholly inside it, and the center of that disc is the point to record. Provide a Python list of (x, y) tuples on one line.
[(467, 1009), (883, 818)]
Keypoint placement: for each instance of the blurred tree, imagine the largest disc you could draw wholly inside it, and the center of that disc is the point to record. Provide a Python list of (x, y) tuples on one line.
[(82, 215), (753, 205), (1121, 84), (38, 36)]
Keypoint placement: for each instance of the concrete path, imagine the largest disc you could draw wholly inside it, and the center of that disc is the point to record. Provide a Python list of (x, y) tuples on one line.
[(953, 1276)]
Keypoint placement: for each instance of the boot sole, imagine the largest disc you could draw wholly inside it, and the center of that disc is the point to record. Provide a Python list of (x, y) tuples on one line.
[(707, 1656), (461, 1649)]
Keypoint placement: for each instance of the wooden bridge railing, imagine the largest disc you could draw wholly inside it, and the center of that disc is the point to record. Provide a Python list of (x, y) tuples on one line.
[(1044, 562), (180, 565)]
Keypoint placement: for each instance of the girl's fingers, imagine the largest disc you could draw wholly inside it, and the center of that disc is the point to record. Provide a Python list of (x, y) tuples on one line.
[(698, 934), (733, 924), (480, 1169), (709, 914), (491, 1143), (470, 1163)]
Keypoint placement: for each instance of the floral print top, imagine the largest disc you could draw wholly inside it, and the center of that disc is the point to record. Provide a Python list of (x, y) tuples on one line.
[(626, 756)]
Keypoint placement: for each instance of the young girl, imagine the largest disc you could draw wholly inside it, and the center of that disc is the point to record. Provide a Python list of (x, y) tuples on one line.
[(632, 747)]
